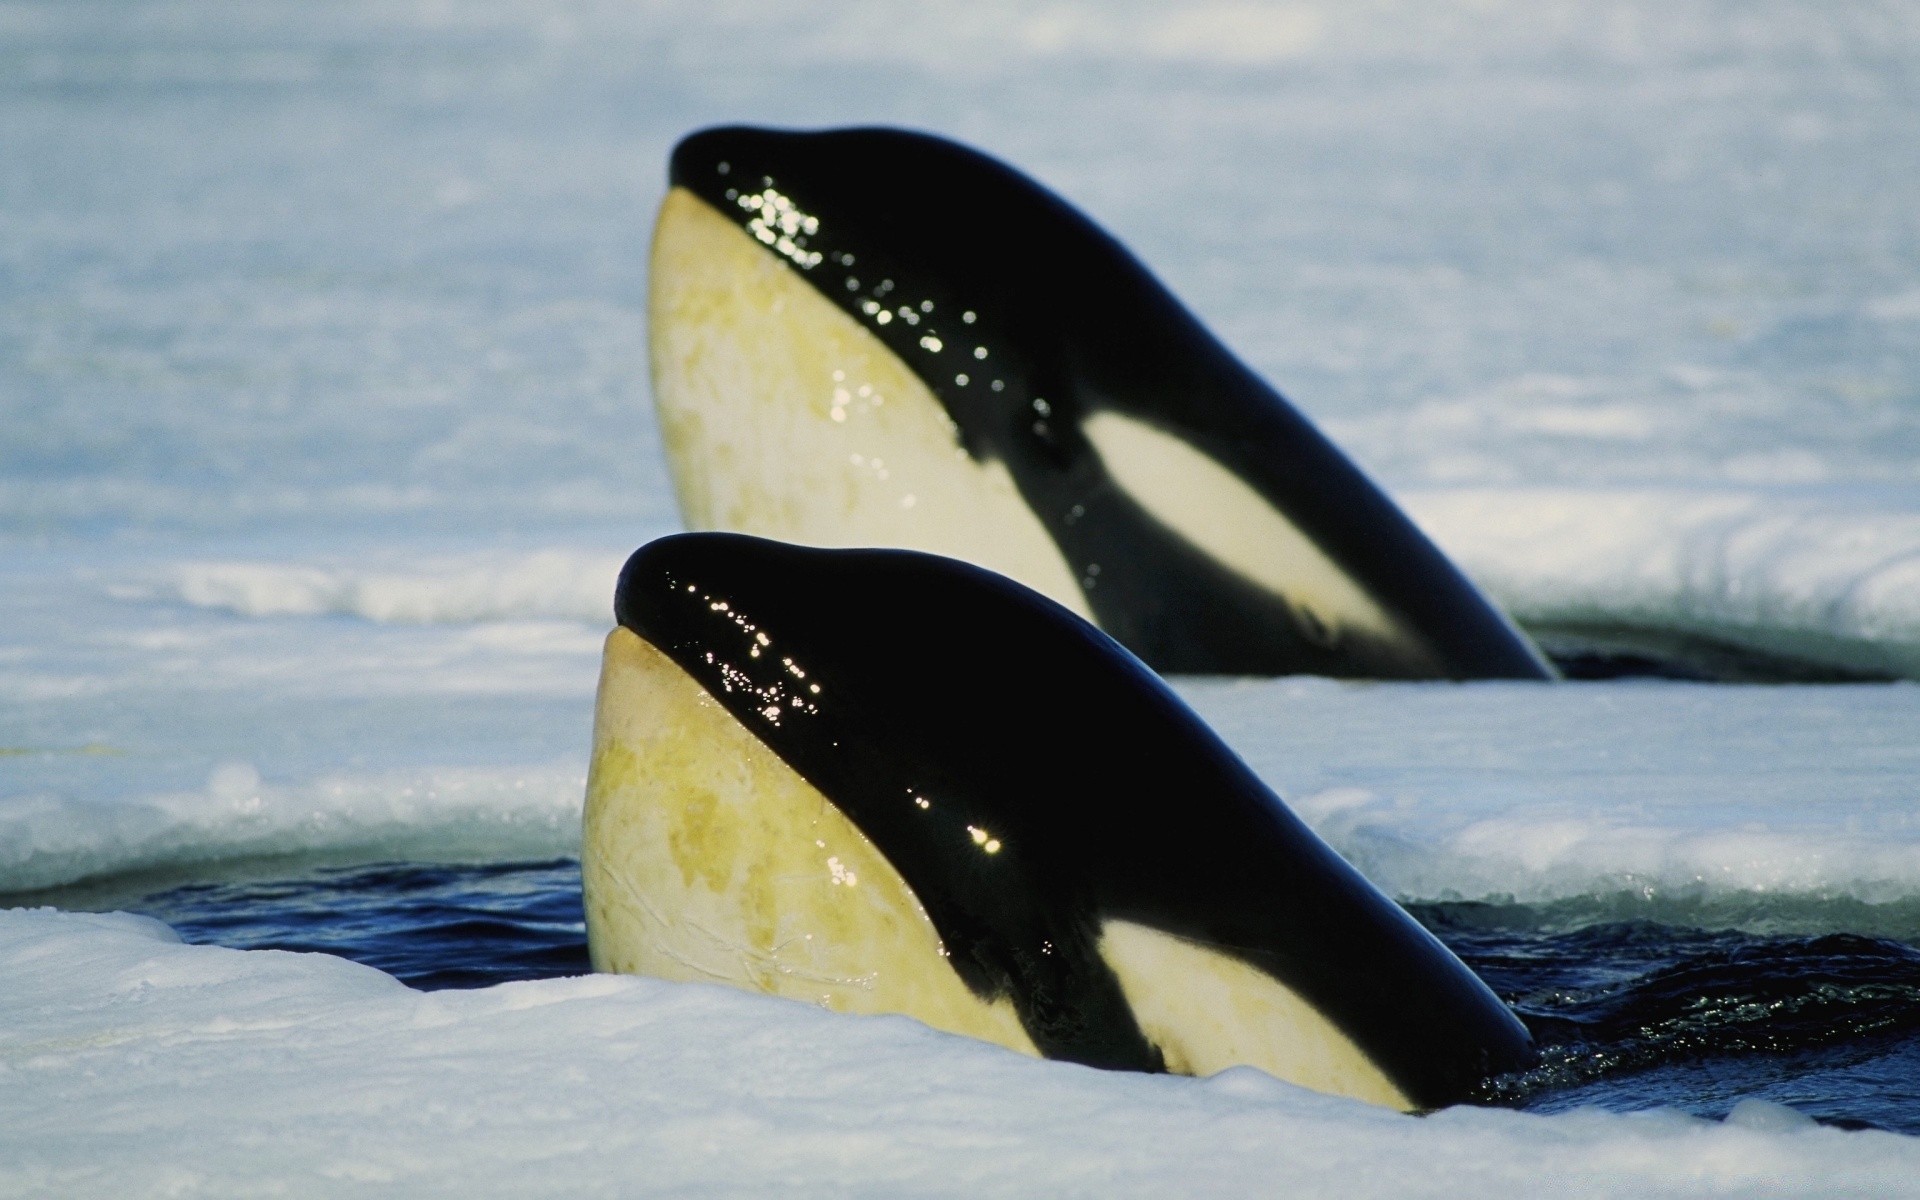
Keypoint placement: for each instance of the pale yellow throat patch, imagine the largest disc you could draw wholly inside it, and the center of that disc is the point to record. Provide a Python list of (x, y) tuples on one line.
[(1208, 1011), (707, 858), (786, 418)]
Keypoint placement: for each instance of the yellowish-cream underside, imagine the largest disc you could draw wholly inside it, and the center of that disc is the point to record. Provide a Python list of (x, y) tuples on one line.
[(784, 417), (707, 858), (1208, 1011)]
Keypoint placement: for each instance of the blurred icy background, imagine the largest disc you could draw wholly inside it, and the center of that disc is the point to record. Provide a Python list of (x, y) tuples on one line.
[(324, 426)]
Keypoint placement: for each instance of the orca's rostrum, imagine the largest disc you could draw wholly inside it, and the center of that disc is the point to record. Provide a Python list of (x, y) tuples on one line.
[(876, 337), (885, 781)]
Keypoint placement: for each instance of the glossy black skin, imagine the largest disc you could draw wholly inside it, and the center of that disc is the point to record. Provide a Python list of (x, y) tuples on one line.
[(1073, 325), (1110, 798)]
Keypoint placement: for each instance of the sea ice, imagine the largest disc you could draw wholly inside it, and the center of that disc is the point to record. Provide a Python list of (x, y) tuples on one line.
[(133, 1065)]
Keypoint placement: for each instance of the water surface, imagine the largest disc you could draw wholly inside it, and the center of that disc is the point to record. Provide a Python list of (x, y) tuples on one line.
[(1629, 1014)]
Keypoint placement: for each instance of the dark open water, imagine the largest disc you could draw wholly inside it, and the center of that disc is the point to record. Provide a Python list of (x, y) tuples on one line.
[(1628, 1014)]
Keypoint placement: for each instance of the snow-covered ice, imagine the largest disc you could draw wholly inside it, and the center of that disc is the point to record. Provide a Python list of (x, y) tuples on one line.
[(157, 1068), (324, 428), (1825, 579)]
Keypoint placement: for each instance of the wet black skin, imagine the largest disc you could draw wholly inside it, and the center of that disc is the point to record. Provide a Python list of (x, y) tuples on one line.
[(1109, 798), (929, 231)]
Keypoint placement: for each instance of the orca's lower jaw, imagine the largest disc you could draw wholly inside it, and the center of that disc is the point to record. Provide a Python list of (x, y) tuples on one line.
[(706, 858), (786, 418)]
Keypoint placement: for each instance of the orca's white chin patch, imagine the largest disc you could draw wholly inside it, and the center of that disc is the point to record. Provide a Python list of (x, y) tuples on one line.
[(1216, 511), (784, 417), (707, 858), (1207, 1011)]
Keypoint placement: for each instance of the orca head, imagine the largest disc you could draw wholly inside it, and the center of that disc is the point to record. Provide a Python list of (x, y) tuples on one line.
[(1078, 428), (1069, 861)]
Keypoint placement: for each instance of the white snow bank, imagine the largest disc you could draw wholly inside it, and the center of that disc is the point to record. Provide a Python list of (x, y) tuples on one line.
[(1822, 579), (1549, 791), (1561, 851), (552, 583), (439, 814), (1537, 792), (133, 1065)]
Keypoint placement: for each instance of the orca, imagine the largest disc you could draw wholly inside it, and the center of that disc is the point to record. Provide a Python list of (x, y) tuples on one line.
[(873, 337), (889, 782)]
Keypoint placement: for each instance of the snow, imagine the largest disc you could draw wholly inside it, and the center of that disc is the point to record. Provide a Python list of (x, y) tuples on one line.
[(546, 583), (1820, 579), (323, 382), (450, 814), (1510, 791), (219, 1072), (1682, 791)]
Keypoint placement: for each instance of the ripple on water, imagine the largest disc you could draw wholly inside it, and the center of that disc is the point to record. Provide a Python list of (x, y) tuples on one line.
[(431, 926)]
